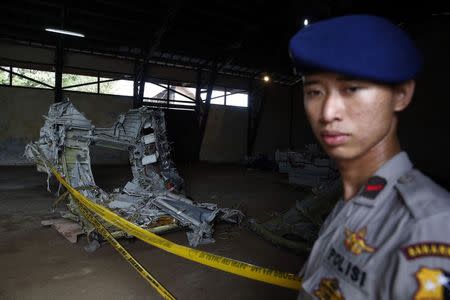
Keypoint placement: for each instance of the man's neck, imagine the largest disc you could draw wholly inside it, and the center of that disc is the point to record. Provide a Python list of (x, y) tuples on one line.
[(356, 172)]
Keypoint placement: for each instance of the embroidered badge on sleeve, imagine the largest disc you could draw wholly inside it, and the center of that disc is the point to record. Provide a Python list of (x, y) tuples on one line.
[(433, 284), (426, 249)]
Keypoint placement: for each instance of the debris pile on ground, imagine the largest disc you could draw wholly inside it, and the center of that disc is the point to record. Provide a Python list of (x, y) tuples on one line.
[(298, 228), (318, 179), (153, 199), (309, 167)]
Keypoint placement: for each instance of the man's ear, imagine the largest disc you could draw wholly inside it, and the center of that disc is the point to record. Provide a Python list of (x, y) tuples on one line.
[(403, 94)]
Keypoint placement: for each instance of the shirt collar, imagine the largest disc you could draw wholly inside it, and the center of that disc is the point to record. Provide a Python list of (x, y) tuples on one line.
[(380, 184)]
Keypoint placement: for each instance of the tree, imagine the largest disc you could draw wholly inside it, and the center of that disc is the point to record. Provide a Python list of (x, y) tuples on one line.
[(74, 79), (41, 76), (4, 76)]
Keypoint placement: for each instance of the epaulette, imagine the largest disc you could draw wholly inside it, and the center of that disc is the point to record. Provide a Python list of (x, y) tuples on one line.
[(422, 195)]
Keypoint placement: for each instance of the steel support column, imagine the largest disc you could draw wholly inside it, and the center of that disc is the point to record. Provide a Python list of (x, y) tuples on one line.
[(59, 54), (198, 96), (257, 97), (249, 117), (204, 115), (139, 83)]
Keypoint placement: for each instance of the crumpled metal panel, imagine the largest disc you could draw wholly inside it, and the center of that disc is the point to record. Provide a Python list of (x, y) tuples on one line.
[(154, 195), (309, 167), (298, 228)]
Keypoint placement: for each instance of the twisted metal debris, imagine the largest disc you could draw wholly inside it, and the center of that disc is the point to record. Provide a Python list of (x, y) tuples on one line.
[(298, 228), (153, 199)]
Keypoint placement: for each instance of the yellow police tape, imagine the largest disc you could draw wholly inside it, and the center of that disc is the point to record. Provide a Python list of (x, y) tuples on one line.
[(233, 266), (128, 257)]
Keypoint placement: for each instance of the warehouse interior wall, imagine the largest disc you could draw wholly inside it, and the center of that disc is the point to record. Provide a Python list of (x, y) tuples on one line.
[(102, 111), (273, 129), (184, 133), (225, 138), (226, 132), (20, 120), (301, 130), (26, 53)]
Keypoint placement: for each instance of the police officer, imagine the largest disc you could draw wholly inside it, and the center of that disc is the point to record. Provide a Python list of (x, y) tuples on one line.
[(389, 235)]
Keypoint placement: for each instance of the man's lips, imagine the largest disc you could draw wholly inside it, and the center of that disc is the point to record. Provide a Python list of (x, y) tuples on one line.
[(334, 138)]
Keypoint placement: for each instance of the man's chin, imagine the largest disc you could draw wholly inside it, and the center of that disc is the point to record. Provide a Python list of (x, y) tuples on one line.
[(340, 153)]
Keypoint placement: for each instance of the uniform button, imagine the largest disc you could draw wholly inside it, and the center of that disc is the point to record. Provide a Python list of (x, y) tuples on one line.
[(405, 178)]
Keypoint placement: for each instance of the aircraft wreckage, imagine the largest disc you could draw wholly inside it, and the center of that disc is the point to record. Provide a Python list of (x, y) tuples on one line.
[(153, 199)]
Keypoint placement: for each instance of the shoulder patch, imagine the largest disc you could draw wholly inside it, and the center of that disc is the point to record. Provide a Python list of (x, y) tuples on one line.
[(426, 249), (433, 284)]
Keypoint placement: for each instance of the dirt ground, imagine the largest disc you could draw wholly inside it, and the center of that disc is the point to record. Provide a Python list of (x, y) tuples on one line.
[(38, 263)]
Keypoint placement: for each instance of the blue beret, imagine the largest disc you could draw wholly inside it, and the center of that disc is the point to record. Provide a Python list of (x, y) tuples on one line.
[(362, 46)]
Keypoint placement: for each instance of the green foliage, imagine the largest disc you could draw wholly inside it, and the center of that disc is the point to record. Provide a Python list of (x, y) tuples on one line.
[(42, 76), (74, 79), (48, 78), (4, 76)]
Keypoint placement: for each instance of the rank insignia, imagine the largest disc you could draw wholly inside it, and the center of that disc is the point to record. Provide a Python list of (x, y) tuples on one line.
[(355, 242), (373, 187), (434, 284), (329, 290)]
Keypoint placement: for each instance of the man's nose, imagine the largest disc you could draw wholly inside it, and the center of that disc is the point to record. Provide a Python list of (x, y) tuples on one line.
[(332, 107)]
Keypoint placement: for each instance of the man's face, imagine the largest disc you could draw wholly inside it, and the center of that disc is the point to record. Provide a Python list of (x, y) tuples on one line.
[(349, 116)]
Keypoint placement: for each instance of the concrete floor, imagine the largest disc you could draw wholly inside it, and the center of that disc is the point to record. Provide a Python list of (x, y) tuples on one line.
[(38, 263)]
